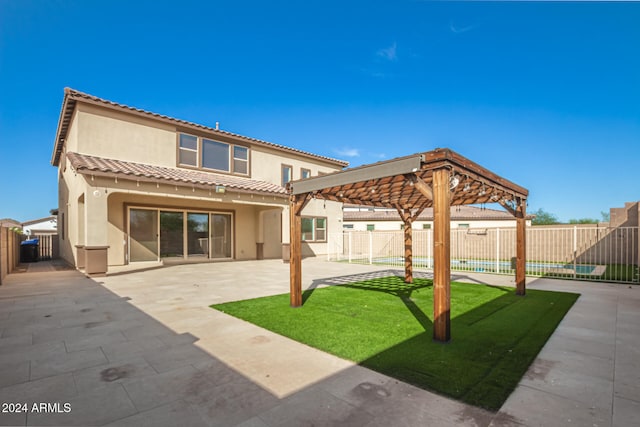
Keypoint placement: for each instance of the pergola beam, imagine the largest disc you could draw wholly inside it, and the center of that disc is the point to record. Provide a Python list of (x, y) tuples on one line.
[(422, 186), (380, 170)]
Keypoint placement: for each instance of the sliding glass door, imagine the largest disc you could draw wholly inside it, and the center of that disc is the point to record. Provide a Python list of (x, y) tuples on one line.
[(143, 235), (171, 234), (197, 235), (221, 235), (155, 234)]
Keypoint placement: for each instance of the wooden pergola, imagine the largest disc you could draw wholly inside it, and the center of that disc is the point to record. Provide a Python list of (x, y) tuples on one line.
[(440, 179)]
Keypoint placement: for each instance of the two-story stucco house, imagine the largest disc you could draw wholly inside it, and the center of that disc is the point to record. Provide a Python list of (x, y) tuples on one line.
[(136, 186)]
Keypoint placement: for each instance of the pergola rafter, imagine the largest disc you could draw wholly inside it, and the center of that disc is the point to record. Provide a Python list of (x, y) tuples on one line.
[(440, 179)]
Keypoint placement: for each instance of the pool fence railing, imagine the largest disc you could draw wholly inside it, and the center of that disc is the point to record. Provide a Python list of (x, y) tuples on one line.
[(598, 253)]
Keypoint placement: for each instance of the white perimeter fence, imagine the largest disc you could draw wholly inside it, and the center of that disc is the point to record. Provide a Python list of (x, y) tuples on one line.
[(584, 253)]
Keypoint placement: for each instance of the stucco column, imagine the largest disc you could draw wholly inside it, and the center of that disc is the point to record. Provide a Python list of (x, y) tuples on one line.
[(286, 240), (96, 234), (260, 235)]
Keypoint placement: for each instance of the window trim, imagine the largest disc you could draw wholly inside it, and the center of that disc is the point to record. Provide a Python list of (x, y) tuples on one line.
[(314, 228), (232, 165), (197, 150), (200, 148), (229, 148), (282, 168)]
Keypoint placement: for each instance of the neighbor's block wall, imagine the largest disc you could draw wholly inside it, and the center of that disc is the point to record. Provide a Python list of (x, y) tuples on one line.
[(9, 252)]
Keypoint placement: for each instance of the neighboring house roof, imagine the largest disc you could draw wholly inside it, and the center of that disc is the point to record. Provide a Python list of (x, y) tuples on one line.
[(37, 221), (71, 96), (99, 166), (8, 222), (458, 213), (47, 225)]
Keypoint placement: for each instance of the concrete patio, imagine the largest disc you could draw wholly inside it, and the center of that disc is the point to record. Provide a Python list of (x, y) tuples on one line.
[(143, 348)]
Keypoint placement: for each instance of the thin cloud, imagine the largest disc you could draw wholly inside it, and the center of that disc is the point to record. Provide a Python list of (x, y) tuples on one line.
[(389, 53), (460, 30), (348, 152)]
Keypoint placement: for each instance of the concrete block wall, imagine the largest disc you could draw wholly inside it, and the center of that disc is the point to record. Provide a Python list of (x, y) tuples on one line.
[(9, 252)]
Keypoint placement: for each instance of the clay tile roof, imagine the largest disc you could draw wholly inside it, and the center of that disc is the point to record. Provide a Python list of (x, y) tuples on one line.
[(71, 96), (87, 165)]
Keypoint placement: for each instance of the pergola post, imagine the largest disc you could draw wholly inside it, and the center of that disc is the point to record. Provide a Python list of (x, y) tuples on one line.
[(408, 247), (295, 258), (442, 257), (521, 248)]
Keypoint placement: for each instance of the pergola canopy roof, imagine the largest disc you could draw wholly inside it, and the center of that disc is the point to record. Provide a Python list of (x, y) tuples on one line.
[(398, 183), (439, 179)]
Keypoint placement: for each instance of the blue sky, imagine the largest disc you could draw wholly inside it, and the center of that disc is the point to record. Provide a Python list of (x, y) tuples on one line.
[(545, 94)]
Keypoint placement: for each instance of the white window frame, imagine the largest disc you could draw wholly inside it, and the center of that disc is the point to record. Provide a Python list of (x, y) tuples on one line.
[(181, 148), (315, 228), (199, 151)]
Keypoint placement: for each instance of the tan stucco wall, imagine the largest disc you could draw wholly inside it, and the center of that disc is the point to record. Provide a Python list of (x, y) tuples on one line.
[(99, 221), (115, 135), (102, 132), (145, 194), (71, 219), (333, 212), (266, 165)]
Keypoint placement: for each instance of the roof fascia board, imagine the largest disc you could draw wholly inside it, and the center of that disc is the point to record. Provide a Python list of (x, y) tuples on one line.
[(179, 123), (134, 178), (462, 164), (366, 173)]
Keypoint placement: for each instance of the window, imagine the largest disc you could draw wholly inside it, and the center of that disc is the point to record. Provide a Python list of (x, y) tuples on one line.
[(305, 173), (371, 227), (401, 226), (210, 154), (347, 226), (314, 229), (188, 150), (463, 225), (241, 160), (426, 226), (215, 155), (287, 172)]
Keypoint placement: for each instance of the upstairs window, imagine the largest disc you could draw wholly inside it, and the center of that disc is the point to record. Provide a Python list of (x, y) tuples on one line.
[(287, 174), (305, 173), (215, 155), (188, 154), (241, 160)]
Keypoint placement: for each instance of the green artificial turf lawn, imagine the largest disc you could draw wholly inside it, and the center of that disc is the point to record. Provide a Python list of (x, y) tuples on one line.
[(386, 325)]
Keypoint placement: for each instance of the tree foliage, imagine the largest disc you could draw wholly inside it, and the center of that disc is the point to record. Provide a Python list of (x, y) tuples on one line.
[(544, 218), (584, 221)]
